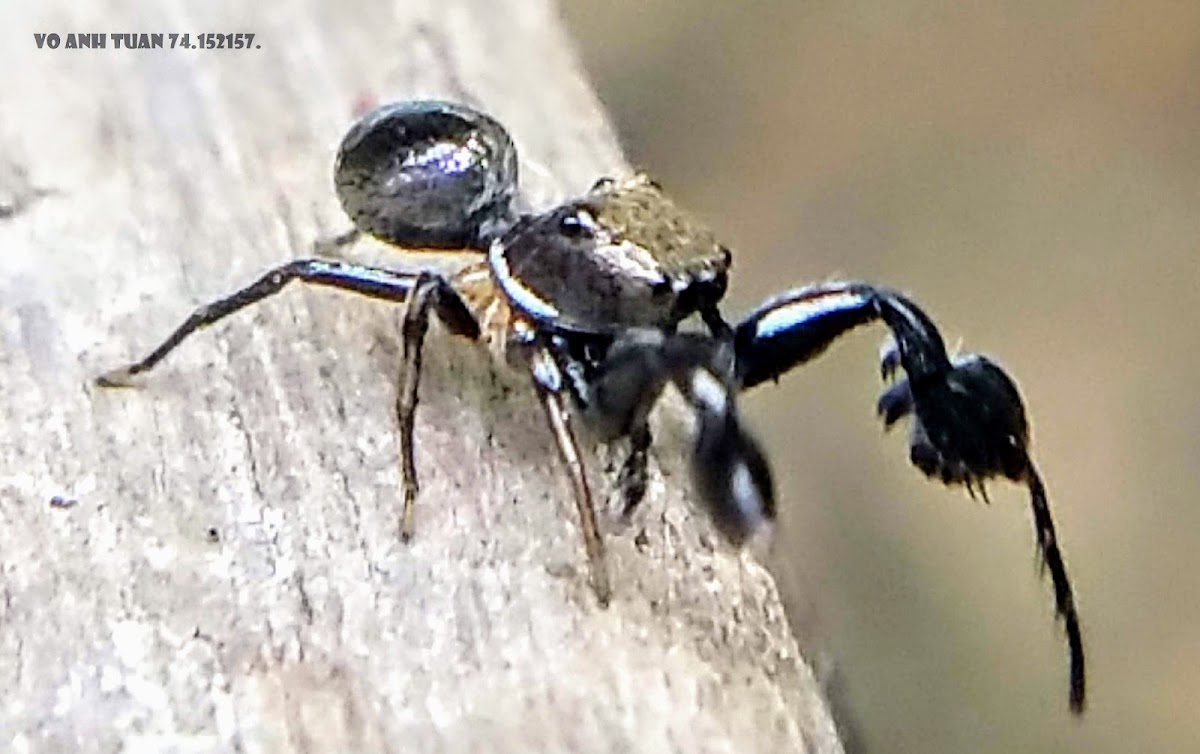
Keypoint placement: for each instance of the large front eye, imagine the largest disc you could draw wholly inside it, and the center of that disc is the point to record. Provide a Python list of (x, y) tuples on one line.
[(578, 223)]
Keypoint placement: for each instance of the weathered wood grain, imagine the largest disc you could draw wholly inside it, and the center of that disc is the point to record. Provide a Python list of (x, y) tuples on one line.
[(224, 572)]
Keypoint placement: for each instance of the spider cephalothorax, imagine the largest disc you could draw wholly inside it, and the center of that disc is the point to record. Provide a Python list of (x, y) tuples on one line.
[(594, 298)]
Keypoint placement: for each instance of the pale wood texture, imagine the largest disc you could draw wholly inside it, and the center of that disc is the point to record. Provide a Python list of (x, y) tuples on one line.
[(226, 574)]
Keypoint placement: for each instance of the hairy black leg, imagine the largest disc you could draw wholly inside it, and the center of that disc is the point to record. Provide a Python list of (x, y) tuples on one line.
[(968, 426), (968, 420), (616, 405), (632, 480), (797, 326), (578, 361), (1064, 597), (422, 292), (548, 380), (367, 281), (800, 325), (429, 291)]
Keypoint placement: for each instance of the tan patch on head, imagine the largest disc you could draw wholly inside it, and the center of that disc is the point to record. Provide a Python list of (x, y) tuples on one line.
[(636, 210)]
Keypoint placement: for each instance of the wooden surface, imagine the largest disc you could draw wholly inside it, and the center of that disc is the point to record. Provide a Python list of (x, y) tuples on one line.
[(225, 573)]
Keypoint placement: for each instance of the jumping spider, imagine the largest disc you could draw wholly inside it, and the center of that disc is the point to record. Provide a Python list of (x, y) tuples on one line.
[(589, 296)]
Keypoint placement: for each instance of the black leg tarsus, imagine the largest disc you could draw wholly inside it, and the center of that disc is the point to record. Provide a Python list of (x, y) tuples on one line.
[(415, 325), (1064, 597)]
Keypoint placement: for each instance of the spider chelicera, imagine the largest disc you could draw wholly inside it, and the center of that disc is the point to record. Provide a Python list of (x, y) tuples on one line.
[(589, 296)]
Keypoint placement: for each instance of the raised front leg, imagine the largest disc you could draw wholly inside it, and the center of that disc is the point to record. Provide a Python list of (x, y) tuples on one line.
[(794, 327), (970, 426), (969, 422)]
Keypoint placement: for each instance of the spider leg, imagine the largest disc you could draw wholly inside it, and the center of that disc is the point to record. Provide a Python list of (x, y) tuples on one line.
[(429, 291), (615, 406), (421, 292), (729, 471), (367, 281), (797, 326), (968, 419), (549, 383), (1064, 598), (969, 425)]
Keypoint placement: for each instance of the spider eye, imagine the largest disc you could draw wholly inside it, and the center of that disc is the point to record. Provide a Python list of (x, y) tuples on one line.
[(578, 223)]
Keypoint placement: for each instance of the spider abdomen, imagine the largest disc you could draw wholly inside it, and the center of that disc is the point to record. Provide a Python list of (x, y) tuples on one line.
[(427, 175)]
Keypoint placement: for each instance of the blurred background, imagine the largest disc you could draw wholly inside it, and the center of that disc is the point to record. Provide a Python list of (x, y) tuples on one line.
[(1030, 173)]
